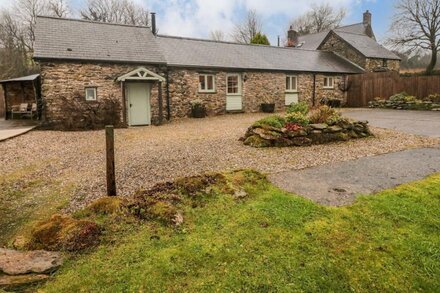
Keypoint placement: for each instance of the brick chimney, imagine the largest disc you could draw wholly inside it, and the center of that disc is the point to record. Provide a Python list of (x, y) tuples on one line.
[(367, 18), (292, 37)]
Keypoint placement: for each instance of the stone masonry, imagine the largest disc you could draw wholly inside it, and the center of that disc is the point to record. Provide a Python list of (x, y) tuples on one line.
[(69, 79)]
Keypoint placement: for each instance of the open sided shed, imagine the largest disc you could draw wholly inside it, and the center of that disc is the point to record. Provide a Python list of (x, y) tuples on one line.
[(16, 91)]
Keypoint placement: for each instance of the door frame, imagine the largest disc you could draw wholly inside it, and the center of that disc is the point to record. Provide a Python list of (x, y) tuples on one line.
[(127, 94), (240, 89)]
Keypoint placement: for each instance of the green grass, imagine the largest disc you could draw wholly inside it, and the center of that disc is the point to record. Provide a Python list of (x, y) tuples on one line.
[(273, 242)]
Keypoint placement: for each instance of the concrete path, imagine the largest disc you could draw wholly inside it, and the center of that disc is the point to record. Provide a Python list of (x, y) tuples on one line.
[(13, 128), (415, 122), (339, 183)]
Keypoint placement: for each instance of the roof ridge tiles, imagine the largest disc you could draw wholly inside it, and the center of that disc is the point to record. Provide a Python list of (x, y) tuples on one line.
[(92, 21)]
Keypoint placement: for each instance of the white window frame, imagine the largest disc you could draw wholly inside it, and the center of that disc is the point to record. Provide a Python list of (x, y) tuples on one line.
[(206, 90), (95, 93), (329, 78), (238, 93), (291, 78)]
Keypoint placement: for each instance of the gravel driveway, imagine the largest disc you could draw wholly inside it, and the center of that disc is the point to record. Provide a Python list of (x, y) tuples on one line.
[(147, 155)]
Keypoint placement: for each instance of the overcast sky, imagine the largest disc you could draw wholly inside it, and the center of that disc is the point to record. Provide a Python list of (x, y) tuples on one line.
[(196, 18)]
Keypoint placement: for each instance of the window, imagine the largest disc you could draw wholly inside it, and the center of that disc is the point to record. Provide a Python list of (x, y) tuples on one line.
[(233, 87), (384, 63), (90, 93), (206, 83), (291, 83), (328, 83)]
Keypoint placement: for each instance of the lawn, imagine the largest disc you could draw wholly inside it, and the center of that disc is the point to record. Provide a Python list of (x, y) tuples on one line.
[(270, 241)]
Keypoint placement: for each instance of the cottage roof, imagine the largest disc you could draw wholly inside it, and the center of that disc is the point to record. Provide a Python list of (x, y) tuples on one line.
[(85, 40), (367, 46), (205, 53), (60, 38), (355, 35), (312, 41)]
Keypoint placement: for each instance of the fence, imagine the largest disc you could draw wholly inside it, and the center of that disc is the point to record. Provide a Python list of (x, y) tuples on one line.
[(365, 87), (2, 103)]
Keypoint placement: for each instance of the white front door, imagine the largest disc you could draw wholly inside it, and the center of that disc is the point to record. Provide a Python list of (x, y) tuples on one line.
[(233, 92), (139, 112)]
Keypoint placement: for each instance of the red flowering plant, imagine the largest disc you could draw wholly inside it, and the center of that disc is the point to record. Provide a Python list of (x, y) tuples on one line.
[(293, 126)]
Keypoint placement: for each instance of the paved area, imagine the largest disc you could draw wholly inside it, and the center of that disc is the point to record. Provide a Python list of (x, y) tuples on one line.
[(13, 128), (415, 122), (339, 183)]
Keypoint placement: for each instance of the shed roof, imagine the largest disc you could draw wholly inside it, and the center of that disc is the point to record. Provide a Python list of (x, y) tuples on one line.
[(22, 78)]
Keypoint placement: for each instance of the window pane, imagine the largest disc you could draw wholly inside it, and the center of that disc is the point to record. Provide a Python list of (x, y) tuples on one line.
[(325, 82), (210, 82), (294, 83), (288, 83), (232, 84), (90, 94), (202, 82)]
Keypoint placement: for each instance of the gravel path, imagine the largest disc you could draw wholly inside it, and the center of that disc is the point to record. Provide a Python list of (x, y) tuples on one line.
[(147, 155)]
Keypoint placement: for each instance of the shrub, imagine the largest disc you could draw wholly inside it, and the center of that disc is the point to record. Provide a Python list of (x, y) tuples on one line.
[(324, 114), (435, 98), (297, 118), (301, 107), (402, 97), (273, 121)]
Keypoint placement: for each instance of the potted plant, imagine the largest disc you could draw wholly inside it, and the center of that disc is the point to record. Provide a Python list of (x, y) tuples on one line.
[(268, 106), (198, 110)]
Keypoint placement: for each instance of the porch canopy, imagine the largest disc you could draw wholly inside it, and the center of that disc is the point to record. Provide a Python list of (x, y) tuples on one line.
[(20, 90), (142, 74)]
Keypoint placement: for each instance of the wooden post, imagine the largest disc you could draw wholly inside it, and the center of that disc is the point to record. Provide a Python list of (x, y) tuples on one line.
[(110, 152), (160, 103)]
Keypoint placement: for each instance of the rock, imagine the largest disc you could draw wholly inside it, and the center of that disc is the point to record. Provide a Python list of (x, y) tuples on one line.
[(239, 194), (13, 262), (20, 281), (301, 141), (257, 141), (319, 126), (335, 128), (316, 131), (266, 134), (283, 142)]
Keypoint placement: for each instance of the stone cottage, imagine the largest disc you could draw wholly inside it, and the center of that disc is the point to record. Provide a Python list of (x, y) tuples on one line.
[(355, 42), (154, 77)]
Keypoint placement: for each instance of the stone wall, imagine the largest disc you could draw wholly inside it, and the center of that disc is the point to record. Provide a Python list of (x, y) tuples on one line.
[(335, 44), (68, 80), (376, 64)]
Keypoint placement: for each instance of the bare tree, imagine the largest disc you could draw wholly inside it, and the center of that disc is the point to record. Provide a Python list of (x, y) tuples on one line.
[(217, 35), (116, 11), (59, 8), (416, 27), (320, 18), (244, 32)]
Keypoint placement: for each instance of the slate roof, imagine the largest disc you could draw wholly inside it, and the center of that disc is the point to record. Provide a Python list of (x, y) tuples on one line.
[(367, 46), (57, 38), (206, 53), (312, 41), (356, 36), (85, 40)]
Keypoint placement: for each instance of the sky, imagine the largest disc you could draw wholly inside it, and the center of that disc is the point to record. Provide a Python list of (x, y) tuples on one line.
[(196, 18)]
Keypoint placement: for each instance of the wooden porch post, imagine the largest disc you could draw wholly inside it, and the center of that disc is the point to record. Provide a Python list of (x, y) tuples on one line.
[(124, 104), (160, 103)]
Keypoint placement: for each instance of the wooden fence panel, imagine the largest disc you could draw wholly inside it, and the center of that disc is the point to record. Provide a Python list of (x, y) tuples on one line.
[(363, 88)]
